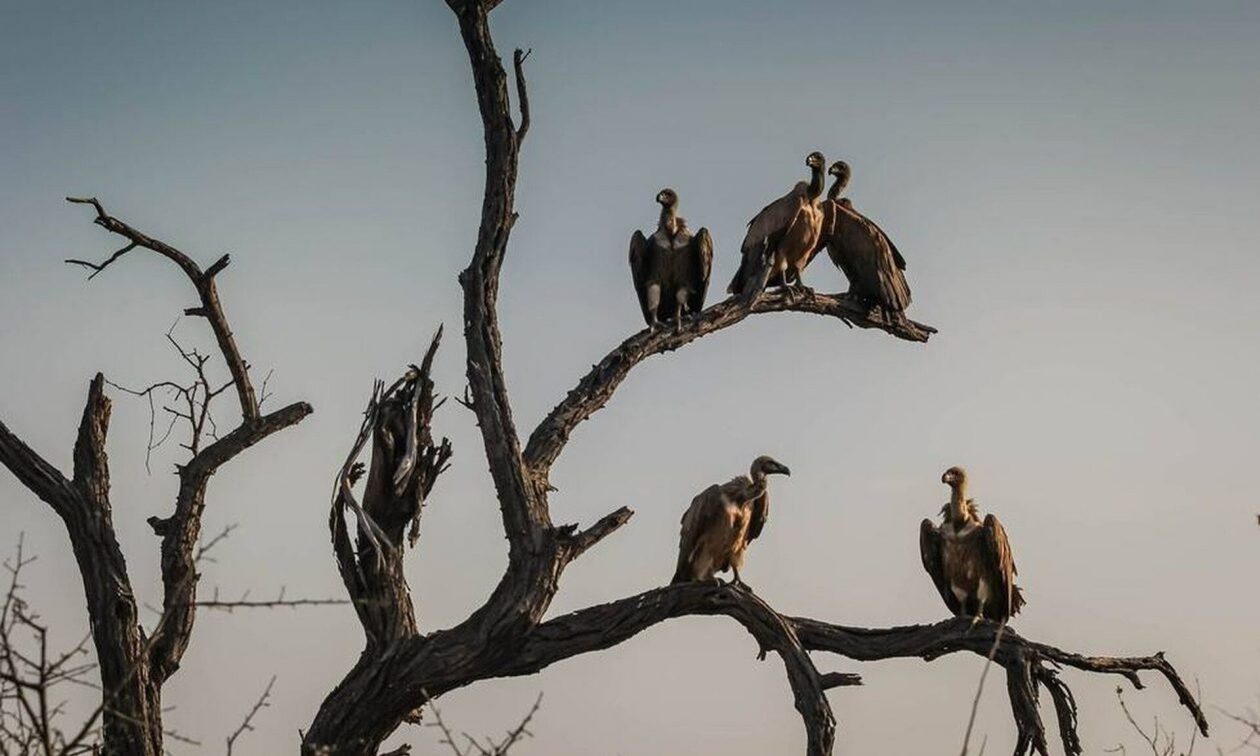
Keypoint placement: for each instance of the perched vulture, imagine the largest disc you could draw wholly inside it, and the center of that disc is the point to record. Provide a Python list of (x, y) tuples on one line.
[(786, 231), (970, 561), (861, 250), (671, 267), (722, 521)]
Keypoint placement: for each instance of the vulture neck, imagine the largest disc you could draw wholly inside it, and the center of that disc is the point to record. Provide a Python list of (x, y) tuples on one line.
[(834, 192), (760, 485), (669, 220), (958, 511), (816, 183)]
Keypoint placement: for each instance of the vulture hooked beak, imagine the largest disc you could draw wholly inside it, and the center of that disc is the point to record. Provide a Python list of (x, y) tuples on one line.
[(777, 468)]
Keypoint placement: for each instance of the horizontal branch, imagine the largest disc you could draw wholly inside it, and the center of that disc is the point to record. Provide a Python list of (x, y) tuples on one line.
[(596, 388), (601, 627)]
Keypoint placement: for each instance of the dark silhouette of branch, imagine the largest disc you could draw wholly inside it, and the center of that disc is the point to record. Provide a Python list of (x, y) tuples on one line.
[(247, 725), (467, 745), (281, 601), (202, 280)]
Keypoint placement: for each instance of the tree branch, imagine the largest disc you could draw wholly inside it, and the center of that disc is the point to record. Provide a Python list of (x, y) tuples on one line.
[(405, 465), (203, 281), (596, 388), (181, 532)]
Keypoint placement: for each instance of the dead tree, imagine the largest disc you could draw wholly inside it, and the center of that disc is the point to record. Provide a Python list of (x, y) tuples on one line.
[(402, 668), (134, 663)]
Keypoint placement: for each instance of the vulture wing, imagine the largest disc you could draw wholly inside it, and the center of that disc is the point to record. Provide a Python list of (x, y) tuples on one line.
[(698, 518), (896, 253), (640, 254), (765, 231), (930, 549), (701, 259), (775, 217), (862, 251), (760, 513), (1000, 564)]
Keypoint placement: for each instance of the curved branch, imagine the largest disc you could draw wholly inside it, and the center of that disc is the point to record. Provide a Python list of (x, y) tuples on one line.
[(600, 627), (597, 386), (1023, 659)]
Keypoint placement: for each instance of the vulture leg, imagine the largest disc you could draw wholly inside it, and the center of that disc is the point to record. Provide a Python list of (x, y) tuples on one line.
[(680, 305), (653, 302), (808, 291)]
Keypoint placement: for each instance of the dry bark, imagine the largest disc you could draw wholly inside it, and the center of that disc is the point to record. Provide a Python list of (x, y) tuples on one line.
[(403, 668), (134, 664)]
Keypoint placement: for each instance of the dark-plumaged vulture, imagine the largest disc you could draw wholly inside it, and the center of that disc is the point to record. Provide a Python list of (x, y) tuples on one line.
[(785, 232), (970, 561), (670, 268), (861, 250), (721, 521)]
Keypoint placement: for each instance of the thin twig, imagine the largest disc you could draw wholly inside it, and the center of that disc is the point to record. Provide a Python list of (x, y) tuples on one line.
[(975, 704), (247, 725)]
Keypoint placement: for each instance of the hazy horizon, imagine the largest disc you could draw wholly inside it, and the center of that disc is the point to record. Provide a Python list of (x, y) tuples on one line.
[(1075, 190)]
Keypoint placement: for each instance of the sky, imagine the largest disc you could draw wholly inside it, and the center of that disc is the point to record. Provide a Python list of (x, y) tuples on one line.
[(1073, 184)]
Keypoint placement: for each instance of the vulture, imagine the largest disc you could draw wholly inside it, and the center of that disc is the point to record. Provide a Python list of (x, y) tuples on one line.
[(786, 231), (861, 250), (969, 560), (672, 266), (721, 521)]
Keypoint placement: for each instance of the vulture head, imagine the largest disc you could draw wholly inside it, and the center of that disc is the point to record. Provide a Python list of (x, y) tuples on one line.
[(841, 171), (667, 197), (764, 465), (954, 477), (815, 160)]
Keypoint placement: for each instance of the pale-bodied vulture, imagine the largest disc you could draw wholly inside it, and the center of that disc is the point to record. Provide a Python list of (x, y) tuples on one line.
[(785, 232), (670, 268), (970, 561), (861, 250), (721, 521)]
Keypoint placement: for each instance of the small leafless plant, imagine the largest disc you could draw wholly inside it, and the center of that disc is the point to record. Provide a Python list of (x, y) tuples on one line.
[(32, 677), (466, 745)]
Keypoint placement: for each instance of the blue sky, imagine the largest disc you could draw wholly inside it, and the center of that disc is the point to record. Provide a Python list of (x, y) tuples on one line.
[(1074, 186)]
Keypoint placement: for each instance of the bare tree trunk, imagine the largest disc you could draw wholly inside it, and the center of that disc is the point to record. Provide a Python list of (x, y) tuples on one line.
[(133, 665)]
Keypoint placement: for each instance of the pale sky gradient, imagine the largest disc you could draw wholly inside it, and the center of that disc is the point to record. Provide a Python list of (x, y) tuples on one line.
[(1075, 190)]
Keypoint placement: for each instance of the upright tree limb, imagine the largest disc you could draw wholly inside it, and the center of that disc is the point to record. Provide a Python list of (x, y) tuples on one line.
[(525, 516)]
